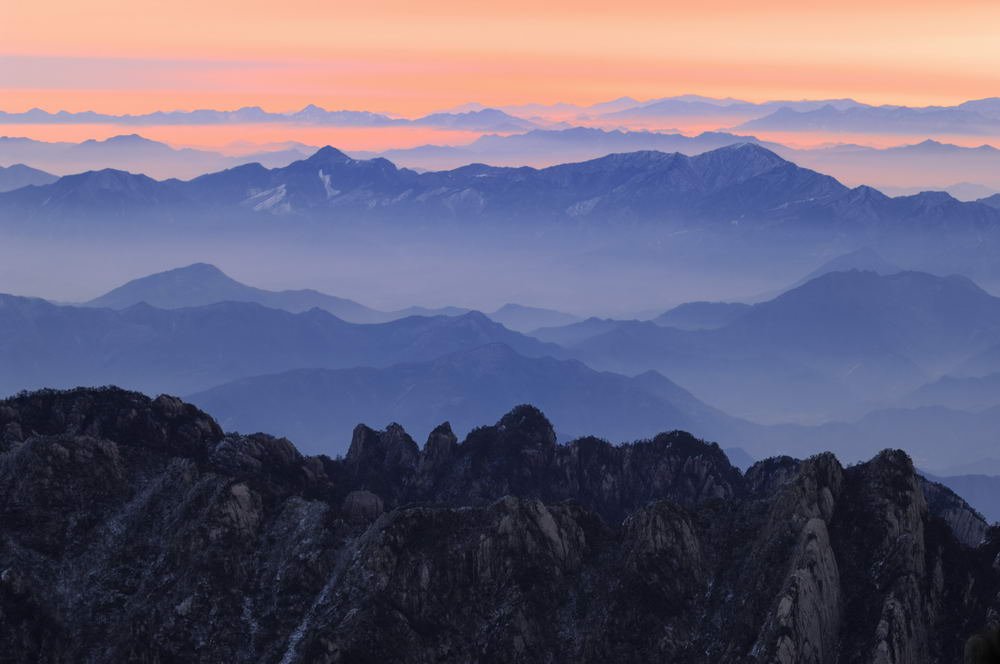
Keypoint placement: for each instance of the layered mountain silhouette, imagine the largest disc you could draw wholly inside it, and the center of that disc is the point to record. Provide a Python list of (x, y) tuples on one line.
[(317, 408), (486, 119), (543, 147), (937, 437), (829, 348), (190, 349), (960, 392), (201, 284), (865, 259), (738, 184), (882, 120), (741, 204), (574, 333), (833, 349), (19, 175), (844, 333), (136, 154), (688, 106), (108, 194), (525, 319), (702, 315), (967, 173)]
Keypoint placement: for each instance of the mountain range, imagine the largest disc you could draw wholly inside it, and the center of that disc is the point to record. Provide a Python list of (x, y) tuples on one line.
[(742, 206), (202, 284), (545, 147), (136, 154), (486, 119), (966, 173), (840, 338), (849, 351), (120, 509), (621, 110), (976, 118), (318, 408), (742, 183), (185, 350), (18, 175)]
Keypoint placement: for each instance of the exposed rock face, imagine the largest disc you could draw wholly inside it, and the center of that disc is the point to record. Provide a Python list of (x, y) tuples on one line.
[(135, 530)]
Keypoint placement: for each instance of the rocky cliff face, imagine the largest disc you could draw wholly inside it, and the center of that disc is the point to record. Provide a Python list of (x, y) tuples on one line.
[(136, 530)]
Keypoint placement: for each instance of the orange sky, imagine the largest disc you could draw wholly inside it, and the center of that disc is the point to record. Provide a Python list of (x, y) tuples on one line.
[(414, 57)]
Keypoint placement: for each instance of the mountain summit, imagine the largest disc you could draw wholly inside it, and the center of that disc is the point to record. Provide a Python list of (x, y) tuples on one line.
[(202, 284)]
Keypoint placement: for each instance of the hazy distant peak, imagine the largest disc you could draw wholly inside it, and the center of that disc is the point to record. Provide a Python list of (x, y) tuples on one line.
[(107, 178), (197, 269), (126, 139), (993, 201), (16, 176), (475, 318), (328, 154), (855, 280), (931, 198)]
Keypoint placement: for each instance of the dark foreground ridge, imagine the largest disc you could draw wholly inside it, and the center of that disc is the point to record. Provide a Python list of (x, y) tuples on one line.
[(135, 530)]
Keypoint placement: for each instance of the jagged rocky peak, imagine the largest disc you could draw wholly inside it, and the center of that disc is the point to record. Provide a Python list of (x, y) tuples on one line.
[(164, 424), (525, 425), (118, 510), (391, 449), (767, 475), (438, 450)]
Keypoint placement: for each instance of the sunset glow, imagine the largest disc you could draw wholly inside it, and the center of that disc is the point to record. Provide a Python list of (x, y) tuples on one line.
[(110, 56)]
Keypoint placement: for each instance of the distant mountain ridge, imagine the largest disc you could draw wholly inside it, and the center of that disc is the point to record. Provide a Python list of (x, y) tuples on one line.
[(929, 165), (488, 119), (18, 175), (841, 334), (932, 120), (967, 173), (742, 183), (201, 284), (135, 154), (554, 146), (319, 407), (190, 349)]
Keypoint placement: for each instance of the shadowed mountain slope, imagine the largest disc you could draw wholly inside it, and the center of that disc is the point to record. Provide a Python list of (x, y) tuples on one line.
[(843, 333), (741, 181), (18, 175), (184, 350), (201, 284), (318, 407), (246, 551)]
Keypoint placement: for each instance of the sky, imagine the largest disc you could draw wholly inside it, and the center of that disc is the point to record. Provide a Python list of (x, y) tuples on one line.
[(411, 58)]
